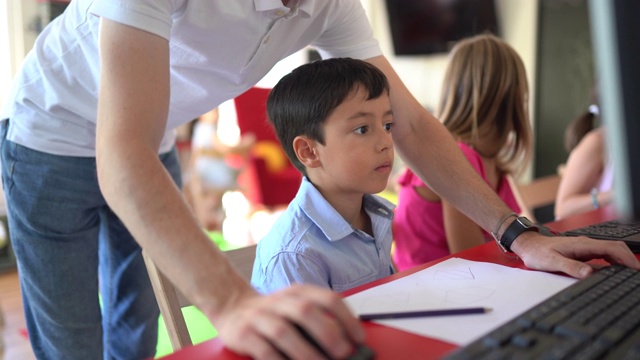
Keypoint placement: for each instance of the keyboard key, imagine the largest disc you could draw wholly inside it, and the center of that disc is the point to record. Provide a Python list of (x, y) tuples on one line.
[(628, 349), (591, 352), (562, 350), (572, 330), (502, 335), (524, 340)]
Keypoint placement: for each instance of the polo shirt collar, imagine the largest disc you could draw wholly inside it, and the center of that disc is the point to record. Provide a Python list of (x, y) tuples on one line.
[(325, 216), (305, 6)]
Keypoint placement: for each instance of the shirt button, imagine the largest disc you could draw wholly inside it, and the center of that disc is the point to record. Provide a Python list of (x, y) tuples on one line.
[(279, 13), (266, 39)]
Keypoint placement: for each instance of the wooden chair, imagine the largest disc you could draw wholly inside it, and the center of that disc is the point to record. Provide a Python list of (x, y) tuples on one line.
[(171, 301)]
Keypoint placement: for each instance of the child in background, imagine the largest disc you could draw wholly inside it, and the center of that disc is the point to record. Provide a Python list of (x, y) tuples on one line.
[(484, 106), (583, 124), (213, 172), (587, 179), (333, 118)]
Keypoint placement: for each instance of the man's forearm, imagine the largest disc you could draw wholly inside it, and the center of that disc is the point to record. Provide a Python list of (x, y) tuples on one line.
[(150, 205), (430, 151)]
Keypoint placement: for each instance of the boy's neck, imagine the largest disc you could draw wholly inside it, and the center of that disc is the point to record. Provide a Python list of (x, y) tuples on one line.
[(363, 222), (350, 206)]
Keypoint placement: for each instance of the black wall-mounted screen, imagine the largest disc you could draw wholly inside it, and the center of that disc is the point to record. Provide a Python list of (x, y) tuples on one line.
[(421, 27)]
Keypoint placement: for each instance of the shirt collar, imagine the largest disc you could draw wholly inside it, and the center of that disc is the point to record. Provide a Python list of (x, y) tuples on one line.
[(305, 6), (328, 220)]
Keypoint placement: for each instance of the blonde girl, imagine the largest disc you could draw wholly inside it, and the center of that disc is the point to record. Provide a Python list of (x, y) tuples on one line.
[(484, 106)]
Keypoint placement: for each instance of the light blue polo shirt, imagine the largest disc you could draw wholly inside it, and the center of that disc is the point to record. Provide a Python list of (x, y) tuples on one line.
[(312, 243)]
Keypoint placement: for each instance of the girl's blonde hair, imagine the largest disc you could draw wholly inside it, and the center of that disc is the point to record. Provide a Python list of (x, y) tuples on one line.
[(485, 87)]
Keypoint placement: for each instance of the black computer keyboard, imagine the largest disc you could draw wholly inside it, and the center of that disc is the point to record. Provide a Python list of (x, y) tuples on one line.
[(595, 318), (627, 231), (608, 230)]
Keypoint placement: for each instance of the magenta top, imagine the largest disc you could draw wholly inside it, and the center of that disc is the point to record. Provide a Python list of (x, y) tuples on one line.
[(418, 225)]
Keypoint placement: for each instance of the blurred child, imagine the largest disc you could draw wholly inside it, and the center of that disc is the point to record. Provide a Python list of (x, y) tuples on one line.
[(333, 118), (484, 106), (587, 178), (583, 124), (213, 172)]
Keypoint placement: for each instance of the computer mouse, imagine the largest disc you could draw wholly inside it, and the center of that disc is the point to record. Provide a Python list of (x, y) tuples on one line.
[(362, 352)]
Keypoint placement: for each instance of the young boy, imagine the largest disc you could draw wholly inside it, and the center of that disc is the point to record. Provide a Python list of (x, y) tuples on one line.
[(334, 120)]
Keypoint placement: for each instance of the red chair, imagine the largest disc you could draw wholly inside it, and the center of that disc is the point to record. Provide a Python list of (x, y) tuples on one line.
[(269, 180)]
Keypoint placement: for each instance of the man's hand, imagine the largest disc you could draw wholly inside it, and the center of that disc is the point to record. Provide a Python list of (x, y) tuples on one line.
[(566, 254), (263, 327)]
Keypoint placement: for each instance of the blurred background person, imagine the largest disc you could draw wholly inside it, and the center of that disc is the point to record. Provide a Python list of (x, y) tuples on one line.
[(587, 178), (214, 169)]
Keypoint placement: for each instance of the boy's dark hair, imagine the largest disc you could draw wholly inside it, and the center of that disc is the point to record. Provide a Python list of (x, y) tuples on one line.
[(302, 100)]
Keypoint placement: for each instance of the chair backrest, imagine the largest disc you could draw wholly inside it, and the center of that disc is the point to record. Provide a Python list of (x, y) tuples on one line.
[(270, 180), (170, 300), (538, 197), (251, 110)]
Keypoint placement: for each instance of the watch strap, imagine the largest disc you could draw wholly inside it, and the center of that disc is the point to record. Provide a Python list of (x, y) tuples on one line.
[(517, 227), (494, 233)]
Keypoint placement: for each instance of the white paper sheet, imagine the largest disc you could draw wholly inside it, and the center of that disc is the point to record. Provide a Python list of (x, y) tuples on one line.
[(459, 283)]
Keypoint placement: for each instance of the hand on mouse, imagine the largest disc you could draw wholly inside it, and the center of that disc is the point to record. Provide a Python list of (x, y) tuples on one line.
[(263, 326)]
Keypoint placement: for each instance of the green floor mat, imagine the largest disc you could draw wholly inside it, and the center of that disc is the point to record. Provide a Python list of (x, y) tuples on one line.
[(219, 240), (200, 329)]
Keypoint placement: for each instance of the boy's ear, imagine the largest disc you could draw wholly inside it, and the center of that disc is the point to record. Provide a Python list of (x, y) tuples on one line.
[(304, 148)]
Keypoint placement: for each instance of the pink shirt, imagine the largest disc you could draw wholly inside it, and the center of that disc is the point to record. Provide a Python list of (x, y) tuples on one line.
[(418, 225)]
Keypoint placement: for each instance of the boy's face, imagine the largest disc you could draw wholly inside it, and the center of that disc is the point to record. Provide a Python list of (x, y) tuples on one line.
[(358, 151)]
